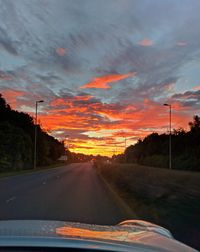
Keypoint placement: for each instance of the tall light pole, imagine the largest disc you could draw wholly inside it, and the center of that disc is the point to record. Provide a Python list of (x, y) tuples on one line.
[(170, 134), (125, 143), (125, 149), (67, 138), (35, 142)]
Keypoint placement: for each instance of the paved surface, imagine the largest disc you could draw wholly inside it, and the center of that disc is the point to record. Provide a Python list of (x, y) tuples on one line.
[(70, 193)]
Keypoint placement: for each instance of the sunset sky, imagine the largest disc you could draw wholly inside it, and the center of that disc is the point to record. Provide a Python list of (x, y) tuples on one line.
[(103, 67)]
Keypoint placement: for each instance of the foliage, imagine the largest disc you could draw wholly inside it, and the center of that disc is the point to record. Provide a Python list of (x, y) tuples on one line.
[(17, 141), (153, 150), (79, 157)]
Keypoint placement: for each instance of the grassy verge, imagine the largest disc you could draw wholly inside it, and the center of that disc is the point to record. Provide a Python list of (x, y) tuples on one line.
[(13, 173), (168, 198)]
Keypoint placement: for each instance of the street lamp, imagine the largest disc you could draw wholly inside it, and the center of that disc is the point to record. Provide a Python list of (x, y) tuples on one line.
[(125, 142), (170, 134), (35, 142), (125, 149), (67, 138)]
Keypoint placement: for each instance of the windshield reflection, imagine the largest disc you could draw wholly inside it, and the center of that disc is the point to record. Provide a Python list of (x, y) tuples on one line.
[(116, 235)]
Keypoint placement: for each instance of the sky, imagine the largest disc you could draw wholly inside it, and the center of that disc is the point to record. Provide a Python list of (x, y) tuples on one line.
[(104, 68)]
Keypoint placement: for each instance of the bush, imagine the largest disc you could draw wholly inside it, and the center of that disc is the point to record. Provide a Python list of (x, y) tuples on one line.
[(156, 161)]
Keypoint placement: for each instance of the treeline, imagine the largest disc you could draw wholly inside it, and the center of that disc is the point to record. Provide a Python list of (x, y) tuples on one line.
[(17, 141), (153, 150), (73, 157)]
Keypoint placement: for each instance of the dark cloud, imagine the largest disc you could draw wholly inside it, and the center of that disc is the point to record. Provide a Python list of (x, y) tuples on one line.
[(188, 99), (8, 47), (5, 75), (6, 43), (49, 77), (154, 91)]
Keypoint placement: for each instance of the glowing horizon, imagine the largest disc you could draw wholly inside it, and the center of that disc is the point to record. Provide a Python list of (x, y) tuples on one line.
[(98, 134)]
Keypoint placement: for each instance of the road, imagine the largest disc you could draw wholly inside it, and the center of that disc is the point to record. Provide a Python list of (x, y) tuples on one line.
[(70, 193)]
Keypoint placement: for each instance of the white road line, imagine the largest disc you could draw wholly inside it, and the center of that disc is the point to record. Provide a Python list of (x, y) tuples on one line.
[(10, 199)]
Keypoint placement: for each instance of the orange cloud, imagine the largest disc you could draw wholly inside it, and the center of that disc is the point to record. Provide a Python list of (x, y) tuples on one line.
[(126, 116), (69, 100), (145, 42), (105, 125), (111, 123), (196, 88), (11, 96), (83, 97), (104, 81), (61, 51), (58, 102), (141, 124)]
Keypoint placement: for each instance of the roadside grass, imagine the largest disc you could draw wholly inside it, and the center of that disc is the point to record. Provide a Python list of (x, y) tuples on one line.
[(170, 198), (40, 168)]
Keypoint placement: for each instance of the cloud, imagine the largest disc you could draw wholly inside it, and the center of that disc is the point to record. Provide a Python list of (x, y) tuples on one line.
[(189, 100), (48, 78), (147, 90), (92, 115), (187, 95), (5, 76), (196, 88), (145, 42), (69, 99), (8, 46), (50, 51), (77, 115), (12, 96), (181, 43), (104, 82), (61, 51)]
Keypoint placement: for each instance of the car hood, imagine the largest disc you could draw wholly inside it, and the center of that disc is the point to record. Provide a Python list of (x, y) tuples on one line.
[(129, 234)]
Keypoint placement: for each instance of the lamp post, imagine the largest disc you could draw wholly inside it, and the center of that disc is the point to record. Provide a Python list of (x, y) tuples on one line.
[(35, 142), (125, 143), (170, 134), (67, 138)]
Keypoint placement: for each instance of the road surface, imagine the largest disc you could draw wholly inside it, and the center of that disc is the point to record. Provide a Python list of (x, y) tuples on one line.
[(70, 193)]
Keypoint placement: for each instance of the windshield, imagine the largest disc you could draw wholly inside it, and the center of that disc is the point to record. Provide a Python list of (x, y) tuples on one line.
[(99, 112)]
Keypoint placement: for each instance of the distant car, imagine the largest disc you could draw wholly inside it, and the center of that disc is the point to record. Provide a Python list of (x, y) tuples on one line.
[(131, 235)]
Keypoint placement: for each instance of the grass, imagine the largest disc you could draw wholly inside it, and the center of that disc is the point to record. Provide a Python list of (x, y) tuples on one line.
[(170, 198), (13, 173)]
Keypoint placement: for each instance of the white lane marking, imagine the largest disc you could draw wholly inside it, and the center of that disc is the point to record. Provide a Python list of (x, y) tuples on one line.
[(10, 199)]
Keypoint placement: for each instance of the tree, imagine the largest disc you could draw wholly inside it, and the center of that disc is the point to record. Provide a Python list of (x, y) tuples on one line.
[(15, 148), (195, 125), (3, 105), (153, 150), (17, 141)]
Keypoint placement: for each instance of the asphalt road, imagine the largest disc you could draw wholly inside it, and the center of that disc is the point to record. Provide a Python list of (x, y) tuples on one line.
[(70, 193)]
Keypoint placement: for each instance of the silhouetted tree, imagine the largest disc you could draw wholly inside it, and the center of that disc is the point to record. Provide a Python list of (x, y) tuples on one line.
[(153, 150), (195, 125), (17, 141)]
